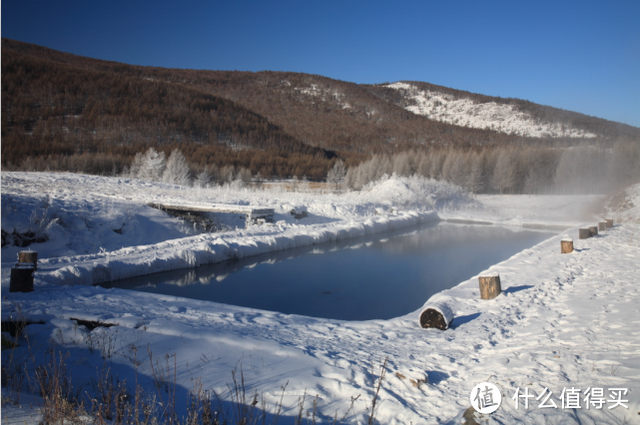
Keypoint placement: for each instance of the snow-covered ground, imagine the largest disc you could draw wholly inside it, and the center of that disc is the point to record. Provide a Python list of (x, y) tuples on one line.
[(563, 321), (490, 115)]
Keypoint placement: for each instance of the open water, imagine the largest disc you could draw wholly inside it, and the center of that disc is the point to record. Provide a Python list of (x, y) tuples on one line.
[(381, 277)]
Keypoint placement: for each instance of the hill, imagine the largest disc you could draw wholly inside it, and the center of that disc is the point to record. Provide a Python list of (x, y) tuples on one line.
[(59, 106)]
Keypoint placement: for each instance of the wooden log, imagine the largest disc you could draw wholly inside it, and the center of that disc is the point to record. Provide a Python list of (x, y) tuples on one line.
[(489, 286), (436, 315), (593, 230), (609, 222), (21, 278), (584, 233), (28, 257), (566, 246), (602, 226)]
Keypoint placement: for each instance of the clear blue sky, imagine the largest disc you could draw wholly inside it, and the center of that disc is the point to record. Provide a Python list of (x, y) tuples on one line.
[(582, 56)]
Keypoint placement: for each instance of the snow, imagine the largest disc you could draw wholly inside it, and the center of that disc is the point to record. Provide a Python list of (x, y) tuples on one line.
[(562, 321), (490, 115)]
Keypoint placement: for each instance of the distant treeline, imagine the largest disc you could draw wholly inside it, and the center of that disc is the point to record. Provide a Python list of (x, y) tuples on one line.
[(505, 170), (512, 170)]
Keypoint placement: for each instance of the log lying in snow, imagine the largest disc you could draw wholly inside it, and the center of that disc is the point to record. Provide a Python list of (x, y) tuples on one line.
[(609, 222), (602, 226), (566, 246), (593, 230), (436, 315), (489, 286), (584, 233)]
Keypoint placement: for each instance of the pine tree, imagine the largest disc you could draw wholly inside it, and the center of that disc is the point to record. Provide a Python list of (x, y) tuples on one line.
[(152, 165), (177, 169)]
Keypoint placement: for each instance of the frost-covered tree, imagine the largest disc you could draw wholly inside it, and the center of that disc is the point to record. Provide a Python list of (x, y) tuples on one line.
[(136, 165), (203, 178), (152, 165), (436, 159), (336, 174), (227, 174), (454, 168), (403, 164), (504, 173), (177, 169), (475, 179), (423, 165), (244, 175)]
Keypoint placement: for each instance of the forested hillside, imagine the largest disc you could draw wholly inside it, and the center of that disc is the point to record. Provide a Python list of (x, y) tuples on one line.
[(66, 112)]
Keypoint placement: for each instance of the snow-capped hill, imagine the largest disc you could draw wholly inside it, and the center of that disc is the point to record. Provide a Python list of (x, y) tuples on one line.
[(465, 112)]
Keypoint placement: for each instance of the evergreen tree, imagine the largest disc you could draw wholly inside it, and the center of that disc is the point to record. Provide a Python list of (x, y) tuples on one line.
[(177, 169), (152, 165)]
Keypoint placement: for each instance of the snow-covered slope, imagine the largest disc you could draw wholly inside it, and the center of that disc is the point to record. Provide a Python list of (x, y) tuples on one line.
[(102, 229), (491, 115)]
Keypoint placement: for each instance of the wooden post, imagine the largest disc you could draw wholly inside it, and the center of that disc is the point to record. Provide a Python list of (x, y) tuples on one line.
[(593, 230), (437, 315), (489, 286), (609, 222), (21, 278), (28, 257), (602, 226), (584, 233), (566, 246)]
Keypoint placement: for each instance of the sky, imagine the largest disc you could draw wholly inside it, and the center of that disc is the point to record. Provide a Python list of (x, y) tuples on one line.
[(582, 56)]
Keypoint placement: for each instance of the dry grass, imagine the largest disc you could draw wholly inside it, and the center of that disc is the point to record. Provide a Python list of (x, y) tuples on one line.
[(114, 401)]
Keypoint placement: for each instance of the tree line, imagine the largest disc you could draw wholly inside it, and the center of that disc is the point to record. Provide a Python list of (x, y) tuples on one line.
[(512, 170)]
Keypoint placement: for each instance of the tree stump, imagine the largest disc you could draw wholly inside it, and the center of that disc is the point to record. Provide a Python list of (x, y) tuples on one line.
[(21, 278), (584, 233), (593, 230), (437, 315), (566, 246), (602, 226), (609, 222), (28, 257), (489, 286)]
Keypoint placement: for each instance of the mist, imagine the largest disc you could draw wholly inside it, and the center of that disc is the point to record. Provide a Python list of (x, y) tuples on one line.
[(582, 169)]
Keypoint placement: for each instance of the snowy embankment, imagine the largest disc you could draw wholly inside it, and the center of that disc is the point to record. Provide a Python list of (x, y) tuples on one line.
[(563, 320), (101, 229)]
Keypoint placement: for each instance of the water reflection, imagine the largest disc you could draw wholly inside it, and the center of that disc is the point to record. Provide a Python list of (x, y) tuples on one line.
[(379, 277)]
